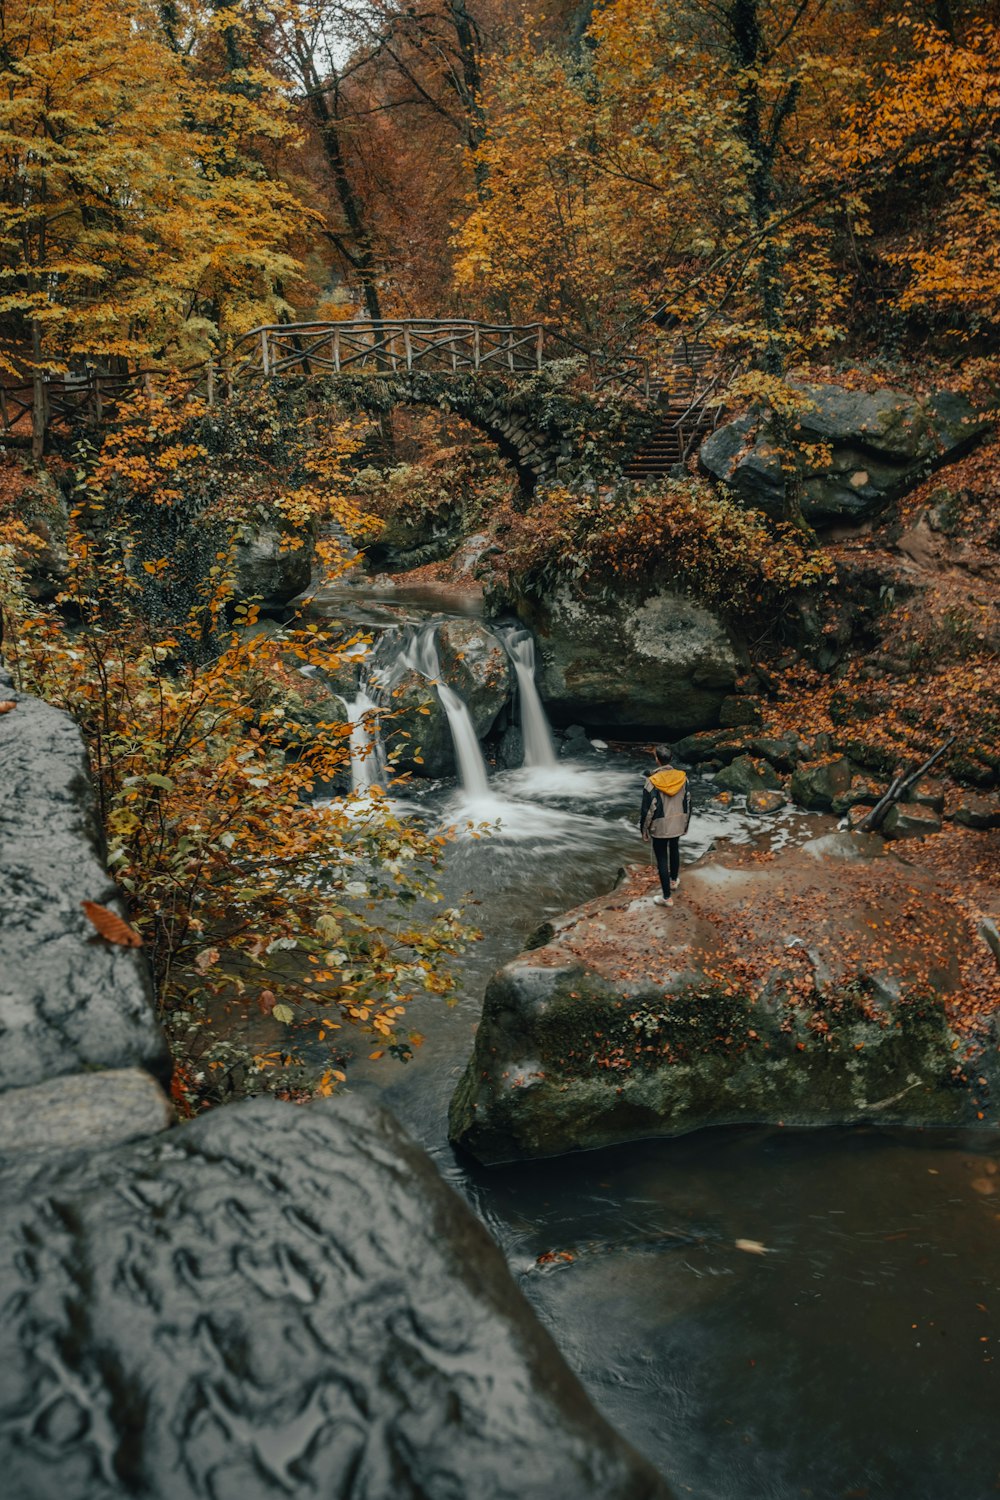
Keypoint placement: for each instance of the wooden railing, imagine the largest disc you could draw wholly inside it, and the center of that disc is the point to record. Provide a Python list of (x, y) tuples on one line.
[(454, 346), (401, 345)]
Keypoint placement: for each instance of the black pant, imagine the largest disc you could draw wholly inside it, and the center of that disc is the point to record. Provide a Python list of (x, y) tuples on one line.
[(668, 861)]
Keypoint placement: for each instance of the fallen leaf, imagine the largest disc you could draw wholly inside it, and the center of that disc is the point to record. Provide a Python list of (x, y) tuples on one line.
[(112, 927), (8, 705), (752, 1247)]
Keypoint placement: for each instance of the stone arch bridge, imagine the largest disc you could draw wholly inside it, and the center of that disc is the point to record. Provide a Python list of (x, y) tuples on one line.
[(556, 411)]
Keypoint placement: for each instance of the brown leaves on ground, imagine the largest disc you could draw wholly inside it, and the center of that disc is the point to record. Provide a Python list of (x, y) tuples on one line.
[(112, 927), (8, 706)]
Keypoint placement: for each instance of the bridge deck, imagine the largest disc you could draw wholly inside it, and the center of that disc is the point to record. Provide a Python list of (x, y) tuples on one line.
[(361, 347)]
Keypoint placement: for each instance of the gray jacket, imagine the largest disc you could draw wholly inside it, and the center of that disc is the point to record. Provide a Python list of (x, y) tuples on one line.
[(665, 812)]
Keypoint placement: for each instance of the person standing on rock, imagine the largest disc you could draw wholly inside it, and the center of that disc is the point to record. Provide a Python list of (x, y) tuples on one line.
[(664, 819)]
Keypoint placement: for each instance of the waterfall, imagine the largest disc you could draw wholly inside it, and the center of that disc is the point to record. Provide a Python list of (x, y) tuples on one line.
[(471, 766), (367, 754), (538, 747), (420, 655)]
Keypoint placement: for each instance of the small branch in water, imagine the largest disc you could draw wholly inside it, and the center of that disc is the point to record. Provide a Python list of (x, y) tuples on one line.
[(894, 1098)]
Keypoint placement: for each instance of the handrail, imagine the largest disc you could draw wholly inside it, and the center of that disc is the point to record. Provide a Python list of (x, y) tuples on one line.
[(385, 345)]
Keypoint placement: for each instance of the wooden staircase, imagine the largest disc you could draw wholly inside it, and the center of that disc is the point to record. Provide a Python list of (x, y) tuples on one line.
[(686, 414)]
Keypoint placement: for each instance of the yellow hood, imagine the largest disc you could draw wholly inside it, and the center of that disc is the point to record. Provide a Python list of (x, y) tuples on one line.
[(668, 781)]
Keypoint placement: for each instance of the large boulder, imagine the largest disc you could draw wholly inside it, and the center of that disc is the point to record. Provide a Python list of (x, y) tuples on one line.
[(475, 664), (415, 727), (69, 1001), (811, 988), (272, 1301), (272, 564), (661, 664), (881, 444)]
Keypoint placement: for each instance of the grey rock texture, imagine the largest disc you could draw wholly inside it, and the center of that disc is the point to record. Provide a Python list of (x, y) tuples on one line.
[(415, 722), (661, 664), (69, 1001), (268, 569), (475, 664), (819, 783), (86, 1109), (977, 811), (763, 802), (743, 775), (277, 1301), (812, 989), (882, 443), (910, 820)]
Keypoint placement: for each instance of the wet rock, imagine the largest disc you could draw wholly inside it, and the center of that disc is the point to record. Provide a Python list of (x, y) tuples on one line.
[(747, 775), (976, 811), (863, 790), (84, 1109), (928, 792), (510, 750), (765, 802), (272, 1301), (69, 1001), (416, 725), (782, 753), (817, 783), (735, 711), (811, 989), (910, 820), (273, 565), (881, 444), (660, 665), (475, 664)]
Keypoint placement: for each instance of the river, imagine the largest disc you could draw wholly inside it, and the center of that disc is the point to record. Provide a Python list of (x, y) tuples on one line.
[(767, 1314)]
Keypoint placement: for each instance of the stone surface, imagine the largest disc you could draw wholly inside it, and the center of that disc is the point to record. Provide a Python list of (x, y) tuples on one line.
[(977, 811), (882, 443), (863, 791), (418, 723), (743, 774), (660, 664), (736, 711), (809, 988), (910, 820), (269, 568), (69, 1001), (278, 1301), (765, 802), (83, 1109), (475, 664), (818, 783)]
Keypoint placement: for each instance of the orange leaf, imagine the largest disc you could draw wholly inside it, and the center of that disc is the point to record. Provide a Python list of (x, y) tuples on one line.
[(111, 926), (8, 705)]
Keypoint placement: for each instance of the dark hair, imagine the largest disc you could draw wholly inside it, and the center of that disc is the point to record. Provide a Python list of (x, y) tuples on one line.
[(662, 753)]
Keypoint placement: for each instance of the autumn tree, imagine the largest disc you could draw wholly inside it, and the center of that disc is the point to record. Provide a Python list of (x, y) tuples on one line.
[(134, 223)]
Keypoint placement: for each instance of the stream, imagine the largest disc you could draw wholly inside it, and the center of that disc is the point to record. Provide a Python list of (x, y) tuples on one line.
[(766, 1314)]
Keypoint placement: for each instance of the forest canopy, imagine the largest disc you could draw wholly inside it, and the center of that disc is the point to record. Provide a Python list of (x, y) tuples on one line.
[(785, 177)]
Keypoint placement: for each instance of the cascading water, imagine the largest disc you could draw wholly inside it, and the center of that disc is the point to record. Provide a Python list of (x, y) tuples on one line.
[(539, 750), (471, 766), (367, 754), (419, 654)]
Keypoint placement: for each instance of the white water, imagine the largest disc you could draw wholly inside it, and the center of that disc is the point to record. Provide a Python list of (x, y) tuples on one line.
[(420, 654), (471, 766), (538, 747), (367, 755)]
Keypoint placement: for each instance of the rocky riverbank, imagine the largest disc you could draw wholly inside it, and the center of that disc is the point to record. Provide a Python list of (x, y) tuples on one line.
[(263, 1300), (828, 984)]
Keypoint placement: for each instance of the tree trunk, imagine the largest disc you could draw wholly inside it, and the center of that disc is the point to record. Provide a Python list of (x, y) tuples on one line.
[(40, 395), (363, 258)]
